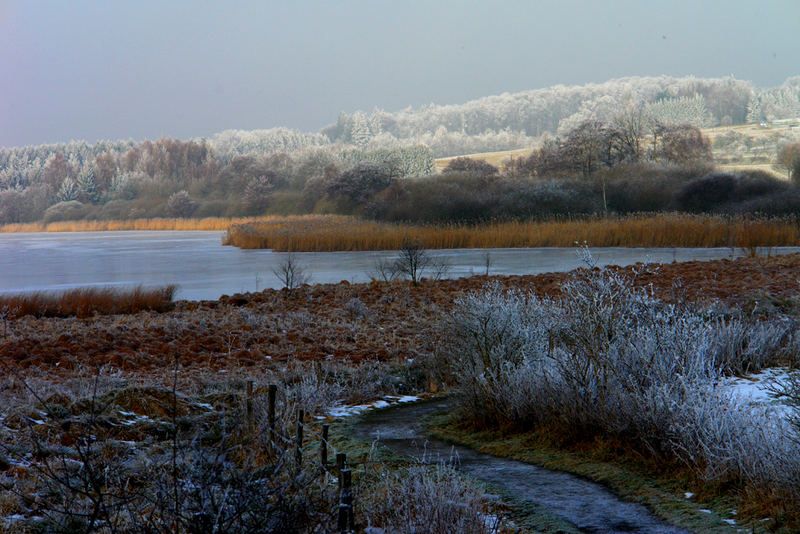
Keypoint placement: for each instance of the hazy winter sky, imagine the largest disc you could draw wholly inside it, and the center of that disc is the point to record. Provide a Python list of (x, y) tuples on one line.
[(108, 69)]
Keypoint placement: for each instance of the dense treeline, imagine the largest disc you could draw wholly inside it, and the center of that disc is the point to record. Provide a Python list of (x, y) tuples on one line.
[(169, 177), (520, 116), (356, 165)]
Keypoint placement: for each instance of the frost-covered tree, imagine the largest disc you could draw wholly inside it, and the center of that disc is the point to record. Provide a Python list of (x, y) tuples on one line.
[(86, 188), (682, 110), (754, 113), (180, 204), (360, 133), (258, 192), (68, 191)]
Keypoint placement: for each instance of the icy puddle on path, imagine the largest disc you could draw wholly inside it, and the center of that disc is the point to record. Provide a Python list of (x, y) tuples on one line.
[(588, 506)]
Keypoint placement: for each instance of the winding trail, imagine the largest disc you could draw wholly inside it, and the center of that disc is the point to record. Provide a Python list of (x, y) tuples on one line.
[(590, 507)]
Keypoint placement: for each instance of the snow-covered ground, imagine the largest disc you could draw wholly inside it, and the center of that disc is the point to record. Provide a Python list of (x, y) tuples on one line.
[(349, 411), (754, 389)]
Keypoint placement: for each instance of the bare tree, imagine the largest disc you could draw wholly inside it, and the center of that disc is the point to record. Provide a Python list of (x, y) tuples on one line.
[(384, 270), (681, 143), (789, 159), (412, 260), (291, 273)]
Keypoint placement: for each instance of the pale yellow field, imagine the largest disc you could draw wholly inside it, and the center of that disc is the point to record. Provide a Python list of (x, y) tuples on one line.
[(493, 158)]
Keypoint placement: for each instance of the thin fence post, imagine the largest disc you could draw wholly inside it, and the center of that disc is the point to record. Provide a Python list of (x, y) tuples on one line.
[(272, 392), (345, 522), (341, 463), (298, 453), (248, 406), (323, 447)]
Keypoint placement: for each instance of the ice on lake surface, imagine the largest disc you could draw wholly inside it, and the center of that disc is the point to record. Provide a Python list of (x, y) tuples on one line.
[(204, 269)]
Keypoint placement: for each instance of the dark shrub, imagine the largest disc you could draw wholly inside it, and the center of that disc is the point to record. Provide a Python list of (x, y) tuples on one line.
[(71, 210), (781, 203), (358, 184), (475, 166), (706, 193), (719, 191), (645, 187)]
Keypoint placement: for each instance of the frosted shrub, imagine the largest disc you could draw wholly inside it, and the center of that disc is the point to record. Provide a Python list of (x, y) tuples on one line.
[(494, 346), (610, 358), (725, 438), (425, 499), (747, 345)]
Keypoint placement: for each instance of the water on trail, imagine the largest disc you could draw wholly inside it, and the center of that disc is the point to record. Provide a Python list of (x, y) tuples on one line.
[(589, 506)]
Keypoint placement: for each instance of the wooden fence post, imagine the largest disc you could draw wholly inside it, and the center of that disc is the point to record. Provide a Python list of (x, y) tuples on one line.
[(248, 407), (345, 522), (323, 447), (341, 463)]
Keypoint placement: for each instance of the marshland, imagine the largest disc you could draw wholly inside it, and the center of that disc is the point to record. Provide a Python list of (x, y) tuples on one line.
[(562, 298)]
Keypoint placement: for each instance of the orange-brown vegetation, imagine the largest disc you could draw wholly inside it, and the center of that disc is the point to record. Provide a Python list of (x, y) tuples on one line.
[(332, 233), (208, 223), (87, 301), (339, 322)]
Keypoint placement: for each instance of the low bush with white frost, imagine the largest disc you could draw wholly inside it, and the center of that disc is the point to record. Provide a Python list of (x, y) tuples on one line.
[(608, 357)]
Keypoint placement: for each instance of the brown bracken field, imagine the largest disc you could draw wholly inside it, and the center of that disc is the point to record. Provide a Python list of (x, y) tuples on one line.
[(378, 321)]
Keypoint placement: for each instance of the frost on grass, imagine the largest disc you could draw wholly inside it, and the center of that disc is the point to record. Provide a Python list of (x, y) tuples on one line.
[(610, 358)]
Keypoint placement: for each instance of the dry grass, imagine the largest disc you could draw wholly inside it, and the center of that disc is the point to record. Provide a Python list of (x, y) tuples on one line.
[(331, 233), (87, 301), (493, 158), (209, 223)]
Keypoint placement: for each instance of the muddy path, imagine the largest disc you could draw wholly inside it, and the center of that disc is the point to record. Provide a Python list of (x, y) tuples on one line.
[(590, 507)]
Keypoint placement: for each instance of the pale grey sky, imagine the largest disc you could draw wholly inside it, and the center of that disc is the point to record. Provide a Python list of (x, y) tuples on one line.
[(110, 69)]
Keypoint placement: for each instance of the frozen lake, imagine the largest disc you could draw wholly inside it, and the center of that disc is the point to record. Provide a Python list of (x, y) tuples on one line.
[(204, 269)]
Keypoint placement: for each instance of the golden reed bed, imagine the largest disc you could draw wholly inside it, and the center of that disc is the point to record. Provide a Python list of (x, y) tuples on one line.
[(324, 233), (209, 223), (332, 233), (87, 301)]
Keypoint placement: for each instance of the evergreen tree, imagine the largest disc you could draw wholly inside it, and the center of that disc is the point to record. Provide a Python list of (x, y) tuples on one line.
[(360, 133), (754, 113), (68, 191), (86, 187)]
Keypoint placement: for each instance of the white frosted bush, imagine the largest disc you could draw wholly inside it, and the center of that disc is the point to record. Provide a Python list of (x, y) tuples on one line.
[(609, 357)]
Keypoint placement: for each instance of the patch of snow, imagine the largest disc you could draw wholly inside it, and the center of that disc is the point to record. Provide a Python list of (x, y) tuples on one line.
[(730, 521), (204, 405), (703, 510), (688, 495), (389, 400), (753, 390), (348, 411)]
